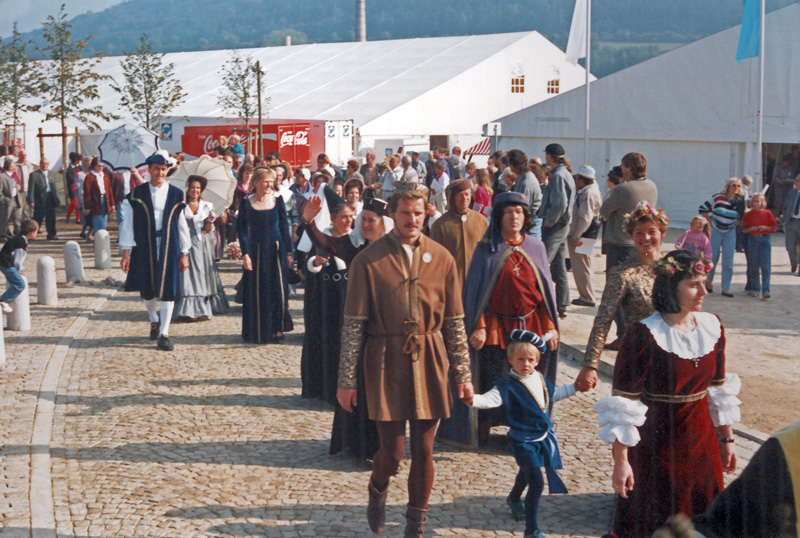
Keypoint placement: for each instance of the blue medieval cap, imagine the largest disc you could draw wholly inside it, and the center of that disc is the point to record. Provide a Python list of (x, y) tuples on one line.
[(528, 336), (510, 198), (160, 157)]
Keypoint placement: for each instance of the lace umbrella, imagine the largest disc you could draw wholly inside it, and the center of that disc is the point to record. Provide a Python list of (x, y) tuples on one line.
[(221, 182), (127, 146)]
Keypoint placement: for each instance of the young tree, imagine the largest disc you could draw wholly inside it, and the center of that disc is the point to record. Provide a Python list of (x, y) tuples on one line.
[(240, 89), (150, 90), (18, 80), (69, 82)]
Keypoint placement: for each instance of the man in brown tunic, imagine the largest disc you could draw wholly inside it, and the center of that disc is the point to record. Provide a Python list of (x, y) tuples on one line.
[(460, 229), (404, 310)]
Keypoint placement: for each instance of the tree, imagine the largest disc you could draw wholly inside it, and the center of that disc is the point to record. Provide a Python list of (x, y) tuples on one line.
[(69, 82), (151, 89), (240, 88), (18, 80)]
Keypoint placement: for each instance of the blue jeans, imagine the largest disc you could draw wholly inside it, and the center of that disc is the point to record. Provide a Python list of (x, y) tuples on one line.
[(536, 231), (725, 241), (759, 253), (99, 222), (15, 284)]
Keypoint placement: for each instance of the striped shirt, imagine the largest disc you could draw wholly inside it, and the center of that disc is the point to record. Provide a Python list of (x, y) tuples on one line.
[(722, 210)]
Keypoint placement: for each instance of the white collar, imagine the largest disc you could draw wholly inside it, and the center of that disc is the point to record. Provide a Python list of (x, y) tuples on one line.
[(686, 345)]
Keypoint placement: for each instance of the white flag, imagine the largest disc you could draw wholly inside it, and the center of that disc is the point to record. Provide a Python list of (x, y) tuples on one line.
[(576, 46)]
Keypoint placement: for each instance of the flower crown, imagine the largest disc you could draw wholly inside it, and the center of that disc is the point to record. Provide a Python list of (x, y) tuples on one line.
[(645, 210), (668, 266)]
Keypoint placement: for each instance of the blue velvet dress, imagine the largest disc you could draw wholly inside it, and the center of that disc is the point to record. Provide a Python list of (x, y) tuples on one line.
[(264, 235)]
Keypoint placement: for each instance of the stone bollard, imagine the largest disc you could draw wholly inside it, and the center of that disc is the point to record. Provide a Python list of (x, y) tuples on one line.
[(73, 262), (46, 281), (102, 250), (20, 318)]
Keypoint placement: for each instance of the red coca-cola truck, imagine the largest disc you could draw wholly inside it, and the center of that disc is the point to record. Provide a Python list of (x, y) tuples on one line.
[(298, 142)]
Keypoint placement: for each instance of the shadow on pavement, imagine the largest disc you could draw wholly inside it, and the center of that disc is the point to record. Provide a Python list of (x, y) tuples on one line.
[(274, 382)]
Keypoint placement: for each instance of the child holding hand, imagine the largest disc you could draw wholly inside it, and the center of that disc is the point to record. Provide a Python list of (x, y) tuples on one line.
[(526, 398), (12, 255), (759, 223)]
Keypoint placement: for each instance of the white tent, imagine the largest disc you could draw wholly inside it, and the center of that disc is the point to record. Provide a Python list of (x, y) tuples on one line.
[(692, 112), (390, 89)]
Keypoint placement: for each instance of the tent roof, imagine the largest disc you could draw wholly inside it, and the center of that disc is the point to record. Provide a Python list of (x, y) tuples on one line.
[(695, 92), (353, 80)]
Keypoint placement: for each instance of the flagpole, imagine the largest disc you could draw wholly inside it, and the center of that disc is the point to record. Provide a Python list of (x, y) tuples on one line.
[(760, 165), (588, 67)]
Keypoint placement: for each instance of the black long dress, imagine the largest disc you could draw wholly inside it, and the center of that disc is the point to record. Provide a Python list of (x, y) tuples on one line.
[(264, 235)]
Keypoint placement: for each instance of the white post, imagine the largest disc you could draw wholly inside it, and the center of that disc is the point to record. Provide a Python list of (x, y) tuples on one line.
[(73, 262), (588, 67), (20, 318), (47, 292), (102, 250)]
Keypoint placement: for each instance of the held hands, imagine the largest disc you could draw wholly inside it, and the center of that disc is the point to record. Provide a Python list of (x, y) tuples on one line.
[(478, 338), (247, 263), (586, 380), (465, 392), (319, 261)]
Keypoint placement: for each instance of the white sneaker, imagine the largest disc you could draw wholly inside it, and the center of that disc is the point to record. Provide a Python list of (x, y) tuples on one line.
[(752, 293), (5, 307)]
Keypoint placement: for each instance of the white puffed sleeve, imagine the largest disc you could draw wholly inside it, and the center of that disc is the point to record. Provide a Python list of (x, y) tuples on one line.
[(311, 267), (619, 418), (723, 403)]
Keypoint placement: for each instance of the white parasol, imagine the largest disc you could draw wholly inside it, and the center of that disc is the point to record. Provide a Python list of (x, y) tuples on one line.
[(127, 146), (221, 182)]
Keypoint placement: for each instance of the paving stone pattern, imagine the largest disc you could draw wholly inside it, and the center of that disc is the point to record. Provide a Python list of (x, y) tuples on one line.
[(213, 439)]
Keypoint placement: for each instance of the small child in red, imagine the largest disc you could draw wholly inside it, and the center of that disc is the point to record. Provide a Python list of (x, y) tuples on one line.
[(759, 223)]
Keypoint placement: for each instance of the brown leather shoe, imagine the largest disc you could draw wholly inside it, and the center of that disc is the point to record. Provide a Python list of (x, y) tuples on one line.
[(376, 509), (415, 521)]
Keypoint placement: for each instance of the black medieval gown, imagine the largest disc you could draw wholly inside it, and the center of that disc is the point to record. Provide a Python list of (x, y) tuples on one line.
[(264, 235)]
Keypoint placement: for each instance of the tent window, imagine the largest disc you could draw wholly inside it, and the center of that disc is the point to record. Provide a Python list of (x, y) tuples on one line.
[(553, 86), (518, 84)]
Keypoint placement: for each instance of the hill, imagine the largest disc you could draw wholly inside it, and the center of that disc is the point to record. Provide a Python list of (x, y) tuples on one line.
[(625, 32)]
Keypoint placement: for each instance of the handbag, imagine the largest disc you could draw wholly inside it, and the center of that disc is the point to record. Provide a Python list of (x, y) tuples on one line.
[(594, 228)]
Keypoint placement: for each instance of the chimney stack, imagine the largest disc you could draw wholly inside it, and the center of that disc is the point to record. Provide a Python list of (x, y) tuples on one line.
[(361, 20)]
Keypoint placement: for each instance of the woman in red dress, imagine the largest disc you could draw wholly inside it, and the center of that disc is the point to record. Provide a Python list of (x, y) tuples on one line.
[(670, 366)]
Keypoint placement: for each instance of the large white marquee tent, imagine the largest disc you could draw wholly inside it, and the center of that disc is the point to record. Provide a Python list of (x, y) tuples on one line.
[(389, 89), (692, 112)]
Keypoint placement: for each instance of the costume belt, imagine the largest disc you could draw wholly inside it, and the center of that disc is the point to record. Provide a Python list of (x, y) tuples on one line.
[(674, 398), (520, 319), (411, 331)]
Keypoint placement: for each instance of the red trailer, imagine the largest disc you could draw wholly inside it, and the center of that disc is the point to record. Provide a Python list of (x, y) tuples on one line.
[(298, 142)]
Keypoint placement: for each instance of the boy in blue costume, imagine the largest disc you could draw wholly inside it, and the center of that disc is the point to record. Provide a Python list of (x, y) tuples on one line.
[(526, 397)]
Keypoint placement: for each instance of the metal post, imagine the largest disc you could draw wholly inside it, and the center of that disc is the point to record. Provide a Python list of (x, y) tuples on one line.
[(260, 122), (760, 166), (588, 67)]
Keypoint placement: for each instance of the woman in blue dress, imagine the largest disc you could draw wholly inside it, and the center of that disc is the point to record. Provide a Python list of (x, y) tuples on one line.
[(265, 241)]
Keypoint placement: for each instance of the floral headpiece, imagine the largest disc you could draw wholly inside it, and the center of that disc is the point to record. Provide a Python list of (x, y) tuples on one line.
[(645, 210), (668, 266)]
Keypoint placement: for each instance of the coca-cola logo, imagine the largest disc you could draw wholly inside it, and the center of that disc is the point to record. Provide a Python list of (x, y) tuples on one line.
[(287, 139), (209, 144), (301, 138)]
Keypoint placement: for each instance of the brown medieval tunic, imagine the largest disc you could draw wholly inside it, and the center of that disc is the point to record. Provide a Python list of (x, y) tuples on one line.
[(459, 234), (410, 320)]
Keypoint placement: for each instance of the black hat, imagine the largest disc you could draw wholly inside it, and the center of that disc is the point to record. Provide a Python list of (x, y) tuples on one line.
[(556, 150), (333, 199), (528, 336), (376, 205)]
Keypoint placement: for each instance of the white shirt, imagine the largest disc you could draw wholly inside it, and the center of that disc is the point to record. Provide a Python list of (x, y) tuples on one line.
[(159, 197), (440, 183), (199, 219)]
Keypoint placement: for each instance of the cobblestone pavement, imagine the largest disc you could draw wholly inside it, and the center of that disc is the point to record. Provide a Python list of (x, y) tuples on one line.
[(213, 438)]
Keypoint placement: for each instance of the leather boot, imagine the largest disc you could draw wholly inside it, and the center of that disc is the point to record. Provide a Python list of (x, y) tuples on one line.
[(415, 520), (376, 509)]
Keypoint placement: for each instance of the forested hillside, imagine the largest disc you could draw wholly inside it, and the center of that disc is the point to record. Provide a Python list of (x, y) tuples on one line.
[(624, 31)]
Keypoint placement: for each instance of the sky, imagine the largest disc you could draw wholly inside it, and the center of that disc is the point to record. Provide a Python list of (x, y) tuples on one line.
[(30, 14)]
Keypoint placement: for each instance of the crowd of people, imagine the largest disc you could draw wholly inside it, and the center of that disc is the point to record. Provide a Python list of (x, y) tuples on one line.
[(433, 293)]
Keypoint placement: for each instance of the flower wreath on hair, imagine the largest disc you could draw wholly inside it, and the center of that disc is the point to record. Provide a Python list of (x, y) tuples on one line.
[(645, 210), (668, 266)]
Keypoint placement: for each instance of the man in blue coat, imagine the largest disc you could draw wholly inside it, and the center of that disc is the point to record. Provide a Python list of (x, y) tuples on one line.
[(155, 244)]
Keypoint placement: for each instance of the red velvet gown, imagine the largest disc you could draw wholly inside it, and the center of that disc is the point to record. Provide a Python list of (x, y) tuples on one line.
[(677, 465)]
